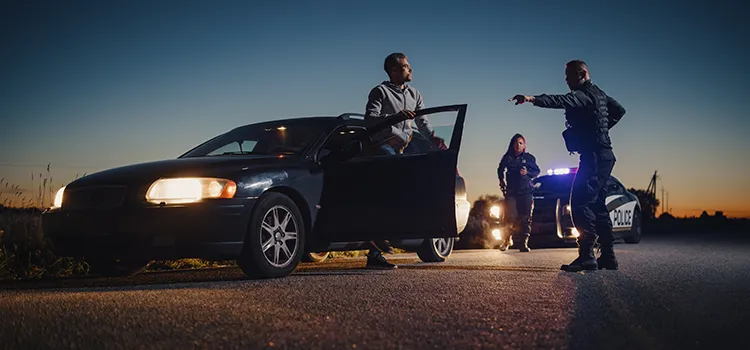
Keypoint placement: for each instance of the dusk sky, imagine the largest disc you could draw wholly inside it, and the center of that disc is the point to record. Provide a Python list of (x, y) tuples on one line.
[(91, 85)]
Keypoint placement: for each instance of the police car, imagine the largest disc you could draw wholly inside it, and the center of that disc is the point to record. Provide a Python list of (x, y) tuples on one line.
[(551, 212)]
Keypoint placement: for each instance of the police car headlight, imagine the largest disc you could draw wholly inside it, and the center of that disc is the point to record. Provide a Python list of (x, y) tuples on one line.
[(495, 211), (497, 233), (574, 232)]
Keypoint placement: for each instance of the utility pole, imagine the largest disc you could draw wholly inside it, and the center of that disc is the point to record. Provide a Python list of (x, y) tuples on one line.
[(652, 185), (651, 191), (662, 199)]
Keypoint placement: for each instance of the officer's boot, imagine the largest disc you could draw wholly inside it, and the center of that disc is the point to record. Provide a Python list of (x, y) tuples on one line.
[(585, 261), (607, 259), (504, 244)]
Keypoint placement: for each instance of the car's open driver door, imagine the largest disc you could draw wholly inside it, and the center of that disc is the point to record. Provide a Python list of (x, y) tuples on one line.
[(410, 195)]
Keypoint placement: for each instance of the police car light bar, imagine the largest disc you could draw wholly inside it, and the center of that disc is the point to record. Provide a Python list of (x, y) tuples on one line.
[(561, 171)]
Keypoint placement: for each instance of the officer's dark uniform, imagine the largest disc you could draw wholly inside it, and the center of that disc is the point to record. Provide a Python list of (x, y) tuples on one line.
[(518, 197), (589, 113)]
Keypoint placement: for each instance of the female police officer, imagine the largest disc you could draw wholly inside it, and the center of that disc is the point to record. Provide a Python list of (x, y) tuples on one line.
[(521, 169)]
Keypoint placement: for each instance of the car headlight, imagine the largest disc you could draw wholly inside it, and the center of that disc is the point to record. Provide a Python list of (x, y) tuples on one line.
[(189, 190), (567, 208), (495, 211), (497, 234), (574, 232), (57, 203)]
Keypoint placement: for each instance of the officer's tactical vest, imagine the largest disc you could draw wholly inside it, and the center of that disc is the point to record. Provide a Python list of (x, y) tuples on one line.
[(588, 127)]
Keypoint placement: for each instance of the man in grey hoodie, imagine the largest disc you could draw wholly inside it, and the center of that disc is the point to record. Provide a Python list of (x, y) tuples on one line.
[(389, 98), (395, 97)]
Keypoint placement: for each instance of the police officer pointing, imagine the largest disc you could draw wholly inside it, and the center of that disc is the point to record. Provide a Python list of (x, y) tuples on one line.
[(589, 115)]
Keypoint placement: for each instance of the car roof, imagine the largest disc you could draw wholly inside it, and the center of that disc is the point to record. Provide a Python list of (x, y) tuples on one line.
[(328, 122)]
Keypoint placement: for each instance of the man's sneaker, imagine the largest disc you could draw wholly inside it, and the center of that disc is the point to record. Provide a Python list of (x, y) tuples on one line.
[(504, 245), (524, 249), (379, 262)]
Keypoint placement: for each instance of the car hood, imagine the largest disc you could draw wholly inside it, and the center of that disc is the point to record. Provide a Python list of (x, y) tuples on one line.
[(217, 166), (550, 195)]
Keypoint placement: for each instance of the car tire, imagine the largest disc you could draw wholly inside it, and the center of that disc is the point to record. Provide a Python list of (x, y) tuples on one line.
[(315, 257), (117, 267), (635, 231), (269, 250), (435, 249)]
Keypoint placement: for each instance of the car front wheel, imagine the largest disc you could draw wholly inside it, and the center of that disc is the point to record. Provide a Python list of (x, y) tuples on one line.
[(275, 239), (435, 249)]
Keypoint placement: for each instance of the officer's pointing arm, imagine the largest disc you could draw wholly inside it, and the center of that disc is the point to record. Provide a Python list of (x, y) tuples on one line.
[(616, 111), (573, 99)]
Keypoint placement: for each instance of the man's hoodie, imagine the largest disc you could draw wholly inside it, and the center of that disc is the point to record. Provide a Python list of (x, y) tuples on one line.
[(388, 99)]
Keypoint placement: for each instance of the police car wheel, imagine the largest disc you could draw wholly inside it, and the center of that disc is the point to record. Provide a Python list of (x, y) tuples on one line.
[(635, 231), (435, 249), (315, 257)]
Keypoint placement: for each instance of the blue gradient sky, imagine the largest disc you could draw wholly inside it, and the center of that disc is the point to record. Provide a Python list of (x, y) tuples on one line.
[(94, 84)]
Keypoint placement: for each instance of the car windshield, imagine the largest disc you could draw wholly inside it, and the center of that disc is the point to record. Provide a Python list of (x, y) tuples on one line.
[(267, 138), (553, 184)]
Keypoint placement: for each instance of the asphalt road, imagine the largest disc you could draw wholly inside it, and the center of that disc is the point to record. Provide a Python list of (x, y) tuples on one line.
[(669, 294)]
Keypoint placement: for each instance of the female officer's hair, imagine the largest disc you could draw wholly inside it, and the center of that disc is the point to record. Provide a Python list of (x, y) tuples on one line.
[(510, 150)]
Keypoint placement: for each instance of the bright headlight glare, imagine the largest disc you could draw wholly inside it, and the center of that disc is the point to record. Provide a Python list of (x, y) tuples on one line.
[(189, 190), (497, 233), (495, 211), (57, 203)]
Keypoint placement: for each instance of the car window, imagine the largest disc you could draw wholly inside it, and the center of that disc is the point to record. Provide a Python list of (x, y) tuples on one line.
[(287, 139), (235, 147), (442, 125), (340, 136)]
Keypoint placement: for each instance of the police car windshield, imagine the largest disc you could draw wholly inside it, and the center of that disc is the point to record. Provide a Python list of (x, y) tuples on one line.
[(557, 184)]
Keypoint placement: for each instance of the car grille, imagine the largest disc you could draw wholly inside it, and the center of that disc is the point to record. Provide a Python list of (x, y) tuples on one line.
[(544, 210), (94, 198)]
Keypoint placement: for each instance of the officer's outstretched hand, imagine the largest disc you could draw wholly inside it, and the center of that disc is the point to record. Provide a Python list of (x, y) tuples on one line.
[(521, 99)]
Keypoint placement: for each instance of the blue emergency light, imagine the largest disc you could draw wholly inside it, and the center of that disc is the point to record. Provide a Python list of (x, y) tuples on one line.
[(561, 171)]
